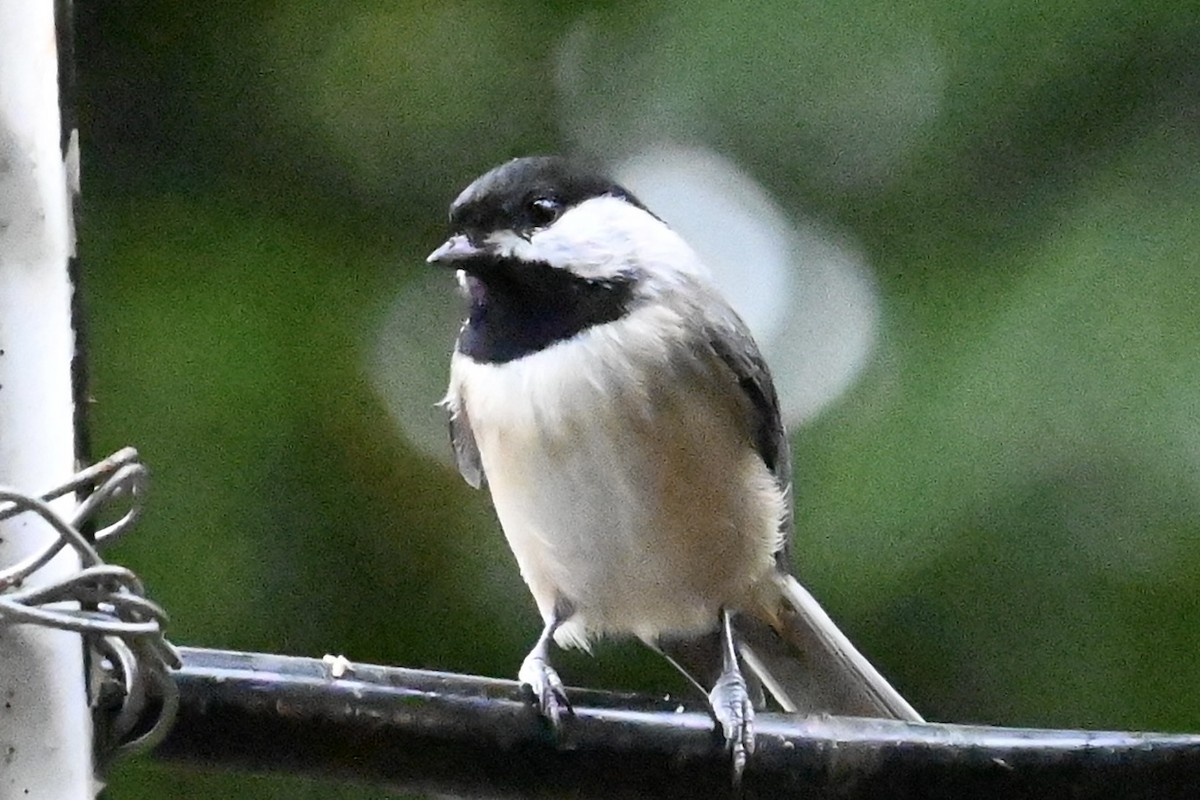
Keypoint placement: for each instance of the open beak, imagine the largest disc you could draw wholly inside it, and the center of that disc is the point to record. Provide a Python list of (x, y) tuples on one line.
[(455, 249)]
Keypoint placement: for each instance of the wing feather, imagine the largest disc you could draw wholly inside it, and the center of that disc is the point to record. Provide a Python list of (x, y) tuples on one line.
[(466, 452), (734, 345)]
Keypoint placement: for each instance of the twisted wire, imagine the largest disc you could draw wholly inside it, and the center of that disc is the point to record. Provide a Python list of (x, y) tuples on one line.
[(106, 603)]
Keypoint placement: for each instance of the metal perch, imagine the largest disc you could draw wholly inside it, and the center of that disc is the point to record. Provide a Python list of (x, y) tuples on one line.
[(445, 734)]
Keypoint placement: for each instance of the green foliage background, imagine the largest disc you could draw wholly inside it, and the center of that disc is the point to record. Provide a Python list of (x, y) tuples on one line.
[(1004, 510)]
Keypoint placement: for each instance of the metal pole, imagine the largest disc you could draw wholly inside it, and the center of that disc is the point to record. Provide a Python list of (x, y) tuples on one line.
[(447, 735), (45, 727)]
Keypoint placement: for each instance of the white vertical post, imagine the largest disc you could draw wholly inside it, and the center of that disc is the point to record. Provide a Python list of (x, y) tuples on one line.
[(45, 728)]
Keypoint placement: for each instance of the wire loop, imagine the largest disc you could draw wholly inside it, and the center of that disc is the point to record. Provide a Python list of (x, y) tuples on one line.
[(105, 603)]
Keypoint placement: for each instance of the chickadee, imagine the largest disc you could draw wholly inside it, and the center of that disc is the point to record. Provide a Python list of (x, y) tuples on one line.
[(629, 432)]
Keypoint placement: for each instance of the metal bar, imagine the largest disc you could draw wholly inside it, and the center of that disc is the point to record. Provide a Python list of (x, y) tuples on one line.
[(445, 734)]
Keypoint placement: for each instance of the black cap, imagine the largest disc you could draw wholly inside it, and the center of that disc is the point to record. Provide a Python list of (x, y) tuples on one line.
[(527, 193)]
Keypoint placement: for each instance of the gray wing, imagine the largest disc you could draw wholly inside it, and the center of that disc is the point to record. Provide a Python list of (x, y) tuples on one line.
[(734, 345), (806, 663), (466, 452)]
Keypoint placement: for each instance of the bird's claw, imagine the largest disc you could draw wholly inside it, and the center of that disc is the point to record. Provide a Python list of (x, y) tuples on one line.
[(548, 691), (733, 709)]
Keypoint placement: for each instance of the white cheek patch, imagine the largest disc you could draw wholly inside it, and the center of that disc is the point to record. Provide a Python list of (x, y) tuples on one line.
[(507, 244), (601, 238)]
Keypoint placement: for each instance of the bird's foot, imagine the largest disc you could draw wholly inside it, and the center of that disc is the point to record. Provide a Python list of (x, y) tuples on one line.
[(548, 691), (733, 709)]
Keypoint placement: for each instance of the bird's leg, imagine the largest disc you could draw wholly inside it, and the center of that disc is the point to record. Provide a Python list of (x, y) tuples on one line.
[(731, 703), (536, 673)]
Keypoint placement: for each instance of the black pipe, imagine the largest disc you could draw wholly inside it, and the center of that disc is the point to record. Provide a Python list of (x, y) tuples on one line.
[(437, 733)]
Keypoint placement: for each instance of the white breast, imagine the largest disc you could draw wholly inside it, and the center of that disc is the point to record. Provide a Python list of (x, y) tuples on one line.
[(624, 479)]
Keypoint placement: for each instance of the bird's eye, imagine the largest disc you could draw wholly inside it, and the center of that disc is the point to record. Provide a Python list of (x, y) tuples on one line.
[(544, 210)]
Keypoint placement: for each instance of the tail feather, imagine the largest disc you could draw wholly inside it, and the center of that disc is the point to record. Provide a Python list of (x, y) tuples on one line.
[(809, 666)]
